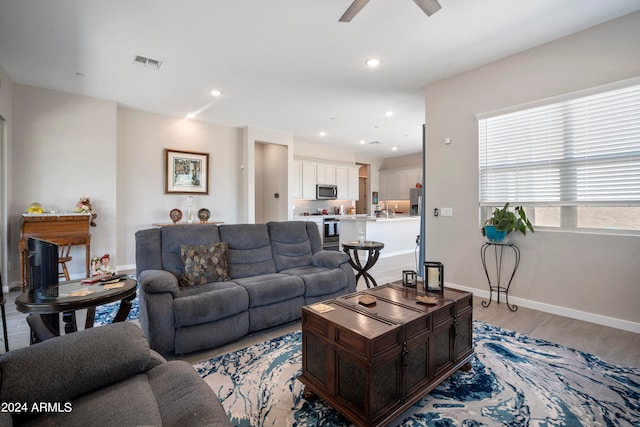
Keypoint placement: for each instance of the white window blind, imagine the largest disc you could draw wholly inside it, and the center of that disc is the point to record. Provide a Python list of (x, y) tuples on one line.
[(578, 152)]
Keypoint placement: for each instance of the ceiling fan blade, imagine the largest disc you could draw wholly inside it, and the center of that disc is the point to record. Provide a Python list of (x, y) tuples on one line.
[(428, 6), (353, 10)]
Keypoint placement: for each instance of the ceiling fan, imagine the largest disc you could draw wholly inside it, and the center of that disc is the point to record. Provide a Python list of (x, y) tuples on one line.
[(428, 6)]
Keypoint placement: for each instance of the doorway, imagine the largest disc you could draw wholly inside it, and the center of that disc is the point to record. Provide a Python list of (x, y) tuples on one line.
[(363, 204), (271, 185)]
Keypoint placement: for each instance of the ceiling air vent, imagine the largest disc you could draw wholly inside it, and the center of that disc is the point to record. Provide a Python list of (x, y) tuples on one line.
[(375, 143), (147, 62)]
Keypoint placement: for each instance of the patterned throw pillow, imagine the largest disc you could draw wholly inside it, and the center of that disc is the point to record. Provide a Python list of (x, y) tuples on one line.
[(204, 264)]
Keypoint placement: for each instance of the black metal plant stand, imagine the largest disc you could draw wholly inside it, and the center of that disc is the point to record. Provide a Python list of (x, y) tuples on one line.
[(498, 287)]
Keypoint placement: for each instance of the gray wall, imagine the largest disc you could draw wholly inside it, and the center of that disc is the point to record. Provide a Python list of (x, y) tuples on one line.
[(569, 273)]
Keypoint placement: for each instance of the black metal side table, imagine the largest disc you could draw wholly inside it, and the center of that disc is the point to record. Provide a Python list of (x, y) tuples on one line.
[(498, 287), (373, 252)]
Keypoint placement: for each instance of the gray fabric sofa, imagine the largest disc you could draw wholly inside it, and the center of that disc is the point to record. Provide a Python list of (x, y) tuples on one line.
[(103, 376), (275, 269)]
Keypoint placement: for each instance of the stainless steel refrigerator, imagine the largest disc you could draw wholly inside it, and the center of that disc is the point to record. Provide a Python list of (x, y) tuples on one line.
[(415, 200)]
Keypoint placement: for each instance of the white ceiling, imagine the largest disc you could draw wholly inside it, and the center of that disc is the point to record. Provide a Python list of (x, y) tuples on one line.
[(282, 64)]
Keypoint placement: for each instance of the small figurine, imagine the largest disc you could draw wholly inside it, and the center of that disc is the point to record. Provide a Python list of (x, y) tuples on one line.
[(100, 266), (35, 208), (85, 206), (95, 266)]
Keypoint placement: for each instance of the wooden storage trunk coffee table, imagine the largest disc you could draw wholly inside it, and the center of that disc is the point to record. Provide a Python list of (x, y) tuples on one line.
[(373, 362)]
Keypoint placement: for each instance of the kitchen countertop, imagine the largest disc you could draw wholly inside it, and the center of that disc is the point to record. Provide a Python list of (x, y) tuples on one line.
[(382, 218), (357, 217), (328, 216)]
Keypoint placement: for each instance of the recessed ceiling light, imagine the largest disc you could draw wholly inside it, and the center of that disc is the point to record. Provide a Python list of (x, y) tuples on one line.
[(191, 116), (373, 62), (388, 113), (395, 148), (322, 133), (216, 92), (362, 141)]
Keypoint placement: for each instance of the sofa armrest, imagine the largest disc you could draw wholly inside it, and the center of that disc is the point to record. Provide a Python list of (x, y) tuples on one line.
[(66, 367), (329, 259), (158, 281), (155, 359)]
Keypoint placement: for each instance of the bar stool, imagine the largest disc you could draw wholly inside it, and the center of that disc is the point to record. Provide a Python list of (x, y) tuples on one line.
[(4, 316), (64, 258)]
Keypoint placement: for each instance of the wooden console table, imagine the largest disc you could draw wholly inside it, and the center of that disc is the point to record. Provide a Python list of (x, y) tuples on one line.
[(56, 228)]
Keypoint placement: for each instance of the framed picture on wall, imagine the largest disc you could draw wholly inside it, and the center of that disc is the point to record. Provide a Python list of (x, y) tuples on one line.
[(186, 172)]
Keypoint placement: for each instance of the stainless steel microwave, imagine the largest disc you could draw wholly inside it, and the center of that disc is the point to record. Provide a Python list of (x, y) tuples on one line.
[(326, 192)]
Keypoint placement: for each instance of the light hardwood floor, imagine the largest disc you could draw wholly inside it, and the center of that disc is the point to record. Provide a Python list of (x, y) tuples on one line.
[(612, 345)]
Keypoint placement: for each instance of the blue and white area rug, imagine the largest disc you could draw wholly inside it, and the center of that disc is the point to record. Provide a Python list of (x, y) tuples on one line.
[(515, 380), (107, 312)]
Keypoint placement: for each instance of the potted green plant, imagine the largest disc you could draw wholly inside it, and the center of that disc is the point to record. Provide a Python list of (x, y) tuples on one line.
[(503, 221)]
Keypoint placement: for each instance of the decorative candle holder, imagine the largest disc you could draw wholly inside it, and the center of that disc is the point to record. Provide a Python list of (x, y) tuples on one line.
[(189, 209), (434, 273), (409, 278)]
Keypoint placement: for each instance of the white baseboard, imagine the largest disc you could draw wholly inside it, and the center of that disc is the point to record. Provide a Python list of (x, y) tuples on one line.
[(384, 254), (126, 267), (555, 309)]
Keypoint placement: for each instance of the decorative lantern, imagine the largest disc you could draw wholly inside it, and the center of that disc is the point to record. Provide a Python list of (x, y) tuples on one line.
[(434, 272), (409, 278)]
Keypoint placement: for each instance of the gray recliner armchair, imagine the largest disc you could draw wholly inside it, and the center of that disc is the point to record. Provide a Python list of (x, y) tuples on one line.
[(103, 376)]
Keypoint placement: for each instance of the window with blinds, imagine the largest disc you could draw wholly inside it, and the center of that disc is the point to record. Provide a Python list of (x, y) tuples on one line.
[(571, 160)]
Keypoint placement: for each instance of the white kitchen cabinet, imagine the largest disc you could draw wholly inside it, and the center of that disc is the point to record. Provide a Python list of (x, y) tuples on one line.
[(308, 180), (354, 184), (347, 182), (407, 179), (296, 179), (388, 185), (395, 183), (325, 174), (308, 172)]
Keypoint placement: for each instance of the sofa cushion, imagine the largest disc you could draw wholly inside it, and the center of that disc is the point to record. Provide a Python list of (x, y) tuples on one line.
[(290, 244), (174, 236), (223, 299), (204, 264), (271, 288), (320, 280), (249, 249)]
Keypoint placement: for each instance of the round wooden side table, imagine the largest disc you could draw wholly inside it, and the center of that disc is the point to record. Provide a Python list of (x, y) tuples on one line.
[(44, 310), (373, 252)]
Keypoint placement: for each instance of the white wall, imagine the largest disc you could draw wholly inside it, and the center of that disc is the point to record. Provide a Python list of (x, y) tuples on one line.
[(63, 148), (312, 150), (142, 138), (577, 272), (66, 146), (409, 160)]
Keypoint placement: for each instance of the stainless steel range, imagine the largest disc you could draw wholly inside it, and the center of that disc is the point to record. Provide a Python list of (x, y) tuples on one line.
[(331, 235)]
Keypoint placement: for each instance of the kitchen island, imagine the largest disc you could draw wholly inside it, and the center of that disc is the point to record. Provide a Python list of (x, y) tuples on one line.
[(397, 233)]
